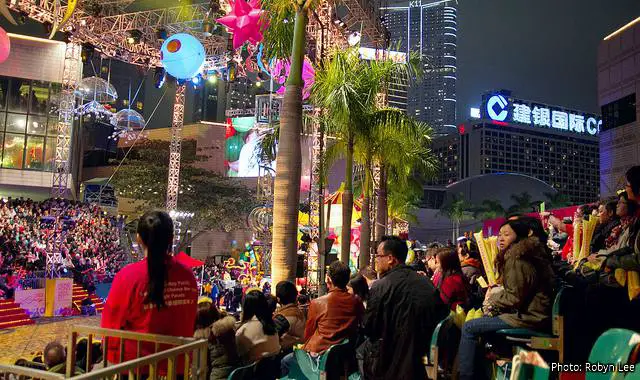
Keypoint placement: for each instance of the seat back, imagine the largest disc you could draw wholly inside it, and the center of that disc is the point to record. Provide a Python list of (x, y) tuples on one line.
[(441, 327), (613, 347), (561, 307), (243, 373)]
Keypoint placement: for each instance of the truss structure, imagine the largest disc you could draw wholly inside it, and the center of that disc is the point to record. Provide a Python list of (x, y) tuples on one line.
[(175, 148), (110, 33), (70, 76)]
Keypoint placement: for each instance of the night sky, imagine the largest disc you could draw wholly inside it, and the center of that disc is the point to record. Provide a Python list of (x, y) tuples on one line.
[(542, 50)]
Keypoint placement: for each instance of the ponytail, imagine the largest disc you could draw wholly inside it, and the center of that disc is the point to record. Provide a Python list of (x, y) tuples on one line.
[(155, 229)]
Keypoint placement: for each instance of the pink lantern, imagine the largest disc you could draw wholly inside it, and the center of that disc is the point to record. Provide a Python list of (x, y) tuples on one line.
[(308, 75), (244, 22), (5, 45)]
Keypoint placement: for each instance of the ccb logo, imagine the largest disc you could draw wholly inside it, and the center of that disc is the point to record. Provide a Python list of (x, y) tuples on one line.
[(497, 108)]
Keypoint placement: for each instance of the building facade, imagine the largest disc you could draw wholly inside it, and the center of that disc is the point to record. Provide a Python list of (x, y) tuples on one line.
[(429, 29), (618, 89), (549, 143), (29, 97)]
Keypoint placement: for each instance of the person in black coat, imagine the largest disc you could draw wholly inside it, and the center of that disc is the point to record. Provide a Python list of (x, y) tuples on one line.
[(402, 312)]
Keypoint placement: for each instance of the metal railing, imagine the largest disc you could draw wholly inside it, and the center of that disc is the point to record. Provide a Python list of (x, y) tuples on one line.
[(192, 351)]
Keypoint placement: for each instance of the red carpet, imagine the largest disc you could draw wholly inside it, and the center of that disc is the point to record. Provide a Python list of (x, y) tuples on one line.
[(79, 294), (12, 315)]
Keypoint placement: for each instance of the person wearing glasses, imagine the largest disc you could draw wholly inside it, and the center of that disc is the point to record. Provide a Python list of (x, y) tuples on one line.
[(402, 311)]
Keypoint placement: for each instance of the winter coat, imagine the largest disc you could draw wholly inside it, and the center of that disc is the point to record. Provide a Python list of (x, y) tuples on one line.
[(297, 320), (223, 356), (402, 312), (253, 344), (627, 256), (528, 282), (472, 269), (454, 291)]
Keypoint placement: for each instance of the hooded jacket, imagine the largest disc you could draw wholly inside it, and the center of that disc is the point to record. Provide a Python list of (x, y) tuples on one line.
[(528, 286), (472, 269), (223, 356), (297, 321)]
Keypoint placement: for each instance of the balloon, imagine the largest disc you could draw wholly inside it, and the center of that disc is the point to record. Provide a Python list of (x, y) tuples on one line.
[(5, 45), (182, 55), (229, 131), (234, 243), (244, 22), (243, 124), (233, 146)]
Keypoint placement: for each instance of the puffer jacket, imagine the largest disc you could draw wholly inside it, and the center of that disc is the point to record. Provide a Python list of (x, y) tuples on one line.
[(223, 356), (472, 269), (528, 282)]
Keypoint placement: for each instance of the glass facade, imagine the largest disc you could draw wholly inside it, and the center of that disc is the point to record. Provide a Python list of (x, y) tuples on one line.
[(28, 119), (428, 28)]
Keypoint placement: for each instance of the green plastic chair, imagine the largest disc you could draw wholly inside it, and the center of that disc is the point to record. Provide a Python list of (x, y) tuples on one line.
[(545, 341), (243, 373), (434, 349), (612, 347), (305, 367)]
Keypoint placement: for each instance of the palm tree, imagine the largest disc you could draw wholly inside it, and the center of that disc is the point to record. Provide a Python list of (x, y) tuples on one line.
[(489, 209), (285, 40), (345, 89), (457, 209), (557, 200), (523, 203)]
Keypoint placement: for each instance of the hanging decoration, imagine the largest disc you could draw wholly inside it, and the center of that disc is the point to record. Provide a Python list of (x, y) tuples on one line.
[(244, 22), (4, 10), (71, 7), (97, 89), (182, 55), (280, 72), (5, 45)]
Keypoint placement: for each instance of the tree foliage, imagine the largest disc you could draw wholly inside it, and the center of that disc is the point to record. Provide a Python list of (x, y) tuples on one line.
[(218, 202)]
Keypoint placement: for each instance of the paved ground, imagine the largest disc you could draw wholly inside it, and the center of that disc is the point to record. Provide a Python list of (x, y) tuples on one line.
[(26, 341)]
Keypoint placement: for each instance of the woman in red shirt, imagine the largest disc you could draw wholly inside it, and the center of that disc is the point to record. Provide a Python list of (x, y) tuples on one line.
[(156, 295), (453, 286)]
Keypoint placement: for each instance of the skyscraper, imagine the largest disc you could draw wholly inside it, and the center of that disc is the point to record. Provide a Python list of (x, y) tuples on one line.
[(428, 28)]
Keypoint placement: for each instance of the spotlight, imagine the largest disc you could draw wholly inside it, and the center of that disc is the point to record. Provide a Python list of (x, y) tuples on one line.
[(258, 84), (196, 80), (134, 37), (161, 34), (22, 18), (212, 79), (207, 28), (159, 76), (48, 27), (354, 38), (87, 52)]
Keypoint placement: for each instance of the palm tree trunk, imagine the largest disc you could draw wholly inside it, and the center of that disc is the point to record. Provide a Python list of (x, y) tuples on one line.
[(381, 208), (347, 205), (289, 164), (365, 227)]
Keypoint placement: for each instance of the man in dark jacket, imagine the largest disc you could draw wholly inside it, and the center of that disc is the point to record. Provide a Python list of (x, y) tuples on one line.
[(402, 311)]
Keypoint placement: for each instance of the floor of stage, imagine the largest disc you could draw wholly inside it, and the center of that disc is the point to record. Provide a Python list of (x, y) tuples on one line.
[(26, 341)]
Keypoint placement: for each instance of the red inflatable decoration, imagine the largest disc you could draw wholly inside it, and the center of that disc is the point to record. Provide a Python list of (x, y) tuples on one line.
[(229, 131), (5, 45)]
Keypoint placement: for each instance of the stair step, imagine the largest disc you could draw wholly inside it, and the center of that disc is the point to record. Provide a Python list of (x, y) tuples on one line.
[(14, 317), (9, 311), (7, 306), (18, 323)]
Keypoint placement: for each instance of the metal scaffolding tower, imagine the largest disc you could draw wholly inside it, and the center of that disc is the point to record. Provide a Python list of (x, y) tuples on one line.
[(173, 185), (70, 76)]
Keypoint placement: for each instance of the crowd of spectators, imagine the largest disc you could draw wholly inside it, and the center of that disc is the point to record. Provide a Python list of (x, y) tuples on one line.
[(87, 238), (388, 316)]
